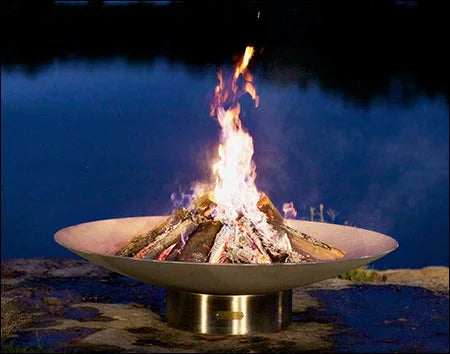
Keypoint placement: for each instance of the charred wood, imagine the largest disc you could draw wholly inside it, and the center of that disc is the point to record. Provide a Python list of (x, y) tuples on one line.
[(199, 244), (162, 242), (138, 242), (304, 245), (204, 205)]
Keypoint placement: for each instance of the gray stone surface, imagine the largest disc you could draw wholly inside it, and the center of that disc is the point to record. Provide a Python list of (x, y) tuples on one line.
[(75, 306)]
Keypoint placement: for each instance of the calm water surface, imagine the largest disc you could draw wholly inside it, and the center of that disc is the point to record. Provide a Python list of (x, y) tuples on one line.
[(83, 141)]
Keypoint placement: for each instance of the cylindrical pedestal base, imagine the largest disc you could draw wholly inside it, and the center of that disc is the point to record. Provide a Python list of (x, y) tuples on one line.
[(229, 314)]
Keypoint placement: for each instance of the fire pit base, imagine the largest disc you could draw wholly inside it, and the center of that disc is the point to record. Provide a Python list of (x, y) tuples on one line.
[(229, 314)]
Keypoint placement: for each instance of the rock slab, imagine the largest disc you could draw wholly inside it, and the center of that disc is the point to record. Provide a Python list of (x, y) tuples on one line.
[(76, 306)]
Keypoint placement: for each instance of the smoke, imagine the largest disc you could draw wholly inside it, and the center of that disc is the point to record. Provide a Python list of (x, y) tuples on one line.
[(180, 199), (289, 210)]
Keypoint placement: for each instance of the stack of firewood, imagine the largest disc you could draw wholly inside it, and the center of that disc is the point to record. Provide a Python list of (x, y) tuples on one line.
[(194, 235)]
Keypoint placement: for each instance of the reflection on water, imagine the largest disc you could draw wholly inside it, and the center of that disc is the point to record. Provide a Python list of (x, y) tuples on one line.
[(91, 133), (356, 50), (85, 141)]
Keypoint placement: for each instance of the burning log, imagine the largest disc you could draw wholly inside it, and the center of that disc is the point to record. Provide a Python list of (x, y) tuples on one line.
[(247, 246), (162, 242), (218, 250), (172, 252), (318, 250), (138, 242), (279, 251), (304, 245), (204, 205), (273, 215), (169, 232), (199, 245), (194, 236)]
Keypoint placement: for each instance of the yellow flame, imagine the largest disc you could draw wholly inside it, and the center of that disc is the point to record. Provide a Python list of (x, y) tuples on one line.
[(244, 62), (235, 172)]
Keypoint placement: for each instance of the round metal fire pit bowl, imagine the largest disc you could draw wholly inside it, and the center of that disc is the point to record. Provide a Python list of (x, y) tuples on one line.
[(234, 309)]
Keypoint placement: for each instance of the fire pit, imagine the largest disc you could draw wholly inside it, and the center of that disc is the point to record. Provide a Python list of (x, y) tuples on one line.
[(224, 298), (230, 260)]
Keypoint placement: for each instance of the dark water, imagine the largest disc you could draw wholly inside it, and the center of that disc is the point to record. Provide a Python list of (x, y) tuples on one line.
[(110, 128)]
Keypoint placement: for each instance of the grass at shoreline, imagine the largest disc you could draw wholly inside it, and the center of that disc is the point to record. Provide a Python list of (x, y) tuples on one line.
[(362, 275), (13, 319)]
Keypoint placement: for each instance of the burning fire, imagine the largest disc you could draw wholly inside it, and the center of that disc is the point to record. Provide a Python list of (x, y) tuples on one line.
[(230, 221), (234, 190)]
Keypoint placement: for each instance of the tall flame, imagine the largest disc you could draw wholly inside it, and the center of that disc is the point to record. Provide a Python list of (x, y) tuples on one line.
[(235, 191)]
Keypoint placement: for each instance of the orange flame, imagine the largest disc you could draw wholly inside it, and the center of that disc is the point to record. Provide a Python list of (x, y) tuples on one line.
[(223, 93), (235, 172)]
